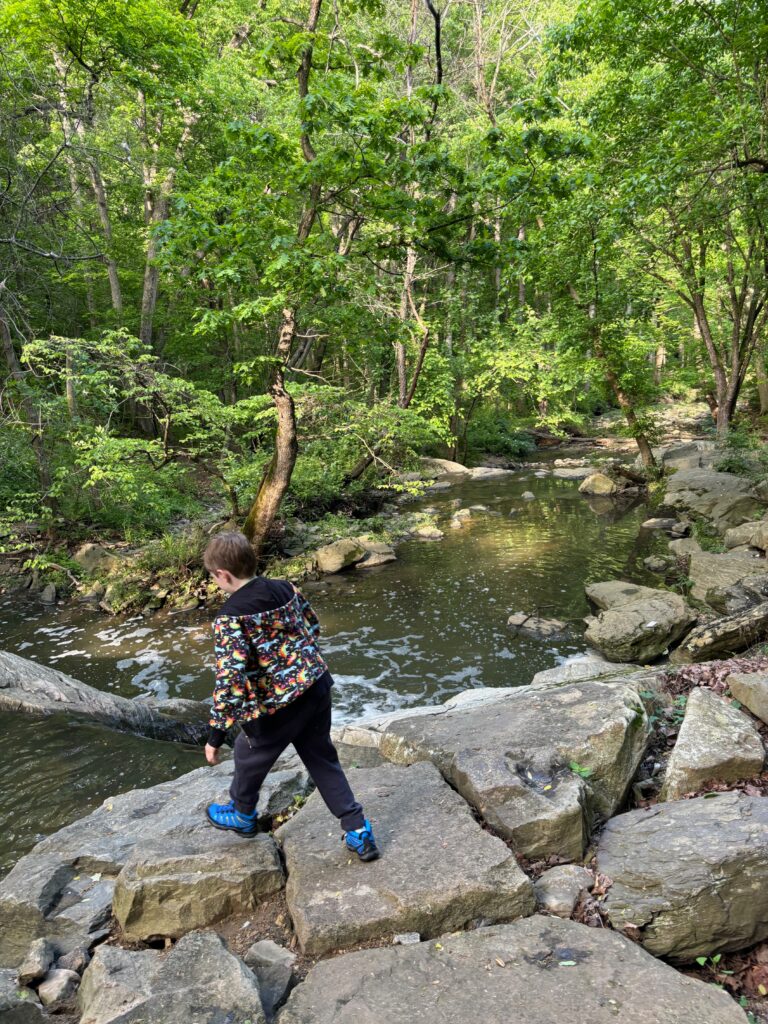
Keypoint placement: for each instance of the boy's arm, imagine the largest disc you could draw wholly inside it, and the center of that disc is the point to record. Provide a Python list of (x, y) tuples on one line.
[(310, 619), (231, 651)]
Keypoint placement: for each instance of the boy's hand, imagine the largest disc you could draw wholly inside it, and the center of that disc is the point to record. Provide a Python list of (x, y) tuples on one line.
[(212, 754)]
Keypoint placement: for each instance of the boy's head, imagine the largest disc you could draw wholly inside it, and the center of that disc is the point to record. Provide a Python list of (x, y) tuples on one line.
[(230, 560)]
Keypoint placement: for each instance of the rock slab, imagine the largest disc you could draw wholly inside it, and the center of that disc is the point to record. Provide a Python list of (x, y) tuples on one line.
[(540, 764), (724, 498), (336, 901), (63, 888), (174, 885), (197, 981), (538, 971), (725, 636), (716, 743), (690, 877)]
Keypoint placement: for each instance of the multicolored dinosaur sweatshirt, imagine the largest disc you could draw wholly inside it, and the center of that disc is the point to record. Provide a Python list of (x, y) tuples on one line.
[(265, 638)]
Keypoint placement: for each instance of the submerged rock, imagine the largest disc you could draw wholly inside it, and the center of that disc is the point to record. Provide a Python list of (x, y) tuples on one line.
[(336, 901), (690, 877), (716, 743), (532, 625), (197, 981), (538, 971)]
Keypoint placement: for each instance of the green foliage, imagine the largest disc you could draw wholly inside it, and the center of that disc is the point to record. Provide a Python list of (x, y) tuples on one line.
[(707, 536)]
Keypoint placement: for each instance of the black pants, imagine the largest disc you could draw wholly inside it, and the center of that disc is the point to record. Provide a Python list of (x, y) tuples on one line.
[(306, 723)]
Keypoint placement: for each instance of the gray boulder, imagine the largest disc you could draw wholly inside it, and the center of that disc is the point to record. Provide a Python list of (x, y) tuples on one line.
[(19, 1005), (558, 890), (40, 691), (540, 764), (538, 971), (740, 596), (751, 690), (725, 499), (759, 537), (580, 668), (739, 535), (716, 743), (274, 969), (637, 624), (339, 555), (63, 888), (684, 547), (180, 883), (197, 981), (36, 963), (728, 635), (690, 877), (58, 986), (336, 901)]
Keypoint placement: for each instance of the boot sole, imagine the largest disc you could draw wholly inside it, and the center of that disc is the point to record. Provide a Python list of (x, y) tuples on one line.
[(249, 834)]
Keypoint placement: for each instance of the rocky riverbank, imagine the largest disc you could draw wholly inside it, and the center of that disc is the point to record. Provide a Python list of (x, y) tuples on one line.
[(509, 820)]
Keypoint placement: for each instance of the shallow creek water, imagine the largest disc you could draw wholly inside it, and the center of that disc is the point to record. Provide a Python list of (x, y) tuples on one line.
[(412, 632)]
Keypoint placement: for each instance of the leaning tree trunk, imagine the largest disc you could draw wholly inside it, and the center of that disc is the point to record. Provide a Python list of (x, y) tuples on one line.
[(762, 381), (277, 476)]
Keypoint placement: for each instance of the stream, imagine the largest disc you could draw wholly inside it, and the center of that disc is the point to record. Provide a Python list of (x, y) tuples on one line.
[(413, 632)]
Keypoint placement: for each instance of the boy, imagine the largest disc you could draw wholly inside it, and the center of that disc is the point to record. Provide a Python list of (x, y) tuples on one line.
[(272, 680)]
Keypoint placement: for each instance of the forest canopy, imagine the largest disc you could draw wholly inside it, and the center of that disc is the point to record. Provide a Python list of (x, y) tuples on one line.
[(266, 253)]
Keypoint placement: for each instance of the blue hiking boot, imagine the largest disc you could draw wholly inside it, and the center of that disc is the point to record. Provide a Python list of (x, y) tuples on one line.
[(362, 842), (229, 819)]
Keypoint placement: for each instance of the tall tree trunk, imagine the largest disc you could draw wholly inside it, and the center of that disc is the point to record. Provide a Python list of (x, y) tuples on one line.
[(762, 380), (277, 477), (31, 415), (76, 126)]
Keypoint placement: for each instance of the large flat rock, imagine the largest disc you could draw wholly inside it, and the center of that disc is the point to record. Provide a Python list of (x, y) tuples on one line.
[(178, 883), (539, 764), (197, 982), (710, 571), (439, 870), (690, 875), (716, 743), (725, 499), (63, 888), (538, 971)]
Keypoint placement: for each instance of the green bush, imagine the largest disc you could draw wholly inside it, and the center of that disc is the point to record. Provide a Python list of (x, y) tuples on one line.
[(490, 435)]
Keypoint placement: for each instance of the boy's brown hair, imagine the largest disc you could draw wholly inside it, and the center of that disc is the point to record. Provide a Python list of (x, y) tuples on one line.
[(232, 551)]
